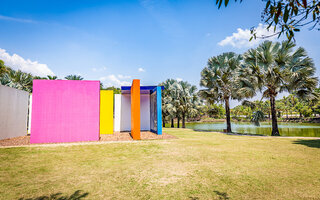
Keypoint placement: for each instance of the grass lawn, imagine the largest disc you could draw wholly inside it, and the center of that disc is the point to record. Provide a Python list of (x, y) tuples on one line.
[(198, 165)]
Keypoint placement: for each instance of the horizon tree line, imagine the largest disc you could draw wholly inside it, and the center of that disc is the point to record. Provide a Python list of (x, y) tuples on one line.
[(23, 80)]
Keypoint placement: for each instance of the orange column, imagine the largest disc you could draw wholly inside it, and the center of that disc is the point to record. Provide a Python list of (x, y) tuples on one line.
[(135, 109)]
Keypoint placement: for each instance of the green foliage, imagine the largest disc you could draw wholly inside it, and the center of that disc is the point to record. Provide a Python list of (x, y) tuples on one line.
[(215, 111), (115, 90), (179, 100), (287, 16), (219, 81), (16, 79), (276, 67), (52, 77), (306, 111)]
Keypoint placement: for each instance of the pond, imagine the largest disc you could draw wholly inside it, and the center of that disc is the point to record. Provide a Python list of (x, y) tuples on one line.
[(286, 129)]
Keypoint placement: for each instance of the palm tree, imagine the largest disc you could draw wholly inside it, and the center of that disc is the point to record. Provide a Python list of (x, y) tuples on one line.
[(179, 100), (52, 77), (169, 111), (187, 100), (274, 67), (73, 77), (17, 79), (219, 80)]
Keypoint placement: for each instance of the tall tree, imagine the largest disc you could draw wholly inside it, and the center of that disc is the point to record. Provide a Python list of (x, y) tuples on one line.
[(219, 80), (276, 67), (52, 77), (187, 100), (169, 111)]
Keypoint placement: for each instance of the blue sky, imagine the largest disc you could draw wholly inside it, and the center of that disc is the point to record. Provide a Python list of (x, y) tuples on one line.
[(116, 41)]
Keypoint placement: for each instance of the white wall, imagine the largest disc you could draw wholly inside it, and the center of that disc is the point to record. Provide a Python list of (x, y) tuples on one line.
[(13, 112), (145, 112), (125, 113), (117, 112), (125, 122)]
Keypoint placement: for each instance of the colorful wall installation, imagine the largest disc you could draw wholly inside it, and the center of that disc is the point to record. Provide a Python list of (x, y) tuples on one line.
[(150, 109), (106, 112), (65, 111), (72, 111)]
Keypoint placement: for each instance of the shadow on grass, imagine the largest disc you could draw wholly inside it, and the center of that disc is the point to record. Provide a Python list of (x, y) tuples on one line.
[(77, 195), (222, 195), (308, 143)]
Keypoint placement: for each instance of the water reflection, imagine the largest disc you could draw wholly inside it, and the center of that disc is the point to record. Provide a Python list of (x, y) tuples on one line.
[(286, 129)]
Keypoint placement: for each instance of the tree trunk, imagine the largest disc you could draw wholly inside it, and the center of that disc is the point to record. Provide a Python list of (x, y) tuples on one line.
[(172, 123), (178, 124), (228, 115), (275, 130), (163, 123), (183, 120)]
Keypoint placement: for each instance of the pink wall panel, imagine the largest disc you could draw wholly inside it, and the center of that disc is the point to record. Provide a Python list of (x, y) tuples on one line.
[(65, 111)]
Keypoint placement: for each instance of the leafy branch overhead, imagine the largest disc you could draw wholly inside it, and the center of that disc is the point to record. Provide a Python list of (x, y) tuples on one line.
[(286, 16)]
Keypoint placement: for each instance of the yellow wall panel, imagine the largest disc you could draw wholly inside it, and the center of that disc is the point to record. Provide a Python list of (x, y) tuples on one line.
[(106, 112)]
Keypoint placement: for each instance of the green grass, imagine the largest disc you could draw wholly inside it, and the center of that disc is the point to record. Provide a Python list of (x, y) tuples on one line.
[(198, 165)]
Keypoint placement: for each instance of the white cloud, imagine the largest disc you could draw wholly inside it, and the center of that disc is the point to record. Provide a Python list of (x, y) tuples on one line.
[(6, 18), (94, 69), (120, 76), (141, 69), (18, 63), (113, 80), (179, 79), (240, 39)]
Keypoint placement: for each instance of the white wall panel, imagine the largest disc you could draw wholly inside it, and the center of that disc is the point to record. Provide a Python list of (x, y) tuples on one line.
[(125, 114), (117, 112), (145, 111), (125, 123)]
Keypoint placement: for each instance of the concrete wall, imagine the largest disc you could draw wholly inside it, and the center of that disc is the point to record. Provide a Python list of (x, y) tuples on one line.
[(29, 113), (13, 112)]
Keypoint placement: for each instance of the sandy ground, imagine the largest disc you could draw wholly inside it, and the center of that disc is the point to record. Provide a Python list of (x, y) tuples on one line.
[(117, 136)]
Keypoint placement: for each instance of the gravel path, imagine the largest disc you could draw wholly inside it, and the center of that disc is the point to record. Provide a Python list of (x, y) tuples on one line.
[(117, 137)]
